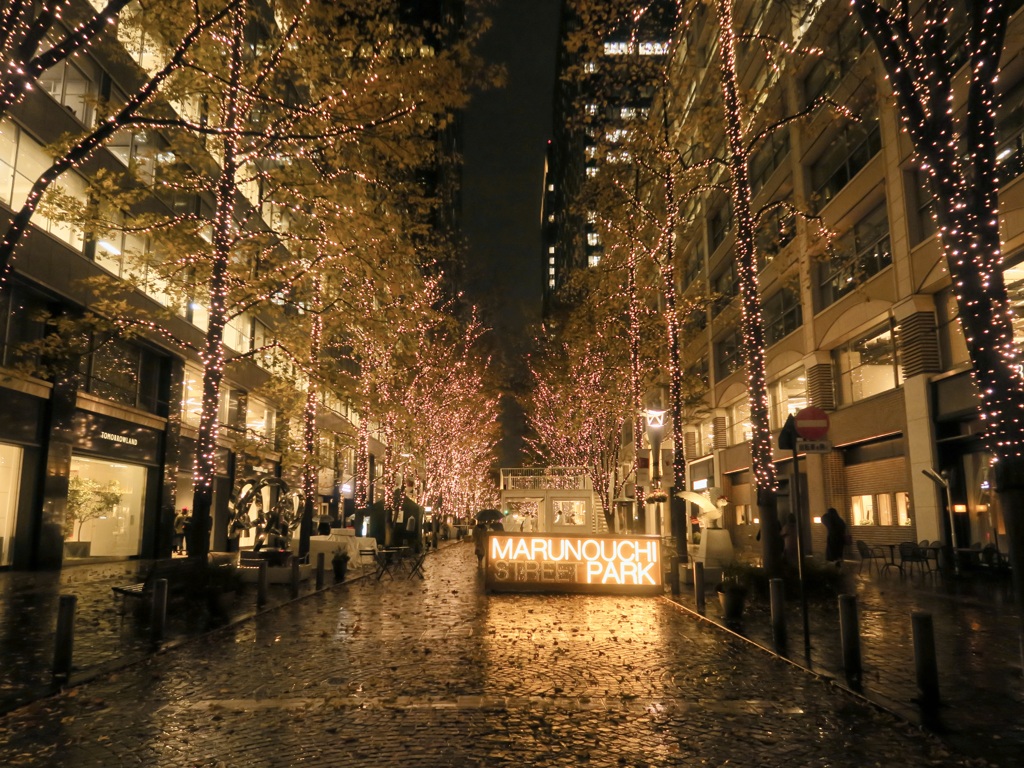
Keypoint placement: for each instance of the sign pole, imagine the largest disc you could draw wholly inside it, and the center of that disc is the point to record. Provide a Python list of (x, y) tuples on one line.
[(788, 439)]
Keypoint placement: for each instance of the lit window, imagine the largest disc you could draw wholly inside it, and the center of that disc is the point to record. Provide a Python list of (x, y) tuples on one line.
[(627, 113), (551, 283), (616, 49), (591, 171), (903, 508), (863, 510), (551, 249), (551, 271), (551, 261), (594, 259), (653, 49), (593, 238)]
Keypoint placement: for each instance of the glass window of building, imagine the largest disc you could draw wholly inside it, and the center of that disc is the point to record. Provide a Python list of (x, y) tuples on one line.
[(1010, 134), (844, 158), (719, 223), (863, 508), (569, 512), (740, 429), (727, 355), (260, 419), (860, 253), (782, 315), (112, 372), (920, 206), (724, 287), (192, 396), (105, 508), (787, 395), (769, 157), (868, 366), (1013, 275), (844, 46), (73, 84)]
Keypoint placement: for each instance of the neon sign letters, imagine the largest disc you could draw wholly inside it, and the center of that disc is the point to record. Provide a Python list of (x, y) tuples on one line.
[(564, 563)]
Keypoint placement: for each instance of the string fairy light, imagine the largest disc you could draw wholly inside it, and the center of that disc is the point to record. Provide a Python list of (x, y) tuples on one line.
[(962, 166)]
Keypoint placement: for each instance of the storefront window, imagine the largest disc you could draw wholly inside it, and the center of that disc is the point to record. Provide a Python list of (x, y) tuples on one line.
[(10, 477), (105, 508), (881, 509), (864, 510)]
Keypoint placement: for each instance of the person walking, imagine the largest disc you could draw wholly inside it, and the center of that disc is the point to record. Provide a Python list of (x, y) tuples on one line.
[(181, 521), (480, 541), (789, 534), (835, 536)]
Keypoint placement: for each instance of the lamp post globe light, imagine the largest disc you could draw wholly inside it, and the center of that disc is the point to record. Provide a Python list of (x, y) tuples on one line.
[(655, 430)]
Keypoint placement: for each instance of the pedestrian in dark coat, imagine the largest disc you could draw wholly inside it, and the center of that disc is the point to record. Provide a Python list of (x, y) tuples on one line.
[(835, 536), (480, 541)]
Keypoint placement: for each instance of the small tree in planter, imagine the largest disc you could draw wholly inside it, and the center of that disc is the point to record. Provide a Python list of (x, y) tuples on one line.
[(87, 500), (737, 579)]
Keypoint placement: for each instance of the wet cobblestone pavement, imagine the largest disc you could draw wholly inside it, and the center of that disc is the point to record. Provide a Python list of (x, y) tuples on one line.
[(977, 652), (438, 673)]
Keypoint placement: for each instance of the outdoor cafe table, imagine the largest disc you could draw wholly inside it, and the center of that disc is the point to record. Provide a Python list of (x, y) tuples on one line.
[(891, 562)]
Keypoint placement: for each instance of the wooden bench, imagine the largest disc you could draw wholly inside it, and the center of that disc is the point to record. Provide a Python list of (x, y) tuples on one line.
[(181, 574)]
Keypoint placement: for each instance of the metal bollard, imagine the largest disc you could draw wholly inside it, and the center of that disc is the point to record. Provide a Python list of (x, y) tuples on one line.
[(777, 592), (849, 631), (674, 576), (295, 578), (319, 571), (65, 639), (158, 611), (261, 584), (698, 586), (925, 662)]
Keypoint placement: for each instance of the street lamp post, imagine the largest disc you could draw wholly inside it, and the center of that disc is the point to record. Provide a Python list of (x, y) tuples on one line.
[(655, 428)]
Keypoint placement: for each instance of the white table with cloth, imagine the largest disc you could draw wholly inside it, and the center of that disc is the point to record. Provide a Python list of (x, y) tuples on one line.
[(347, 542)]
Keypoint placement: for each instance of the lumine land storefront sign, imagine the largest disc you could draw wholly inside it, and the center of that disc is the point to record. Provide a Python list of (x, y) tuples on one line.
[(539, 562)]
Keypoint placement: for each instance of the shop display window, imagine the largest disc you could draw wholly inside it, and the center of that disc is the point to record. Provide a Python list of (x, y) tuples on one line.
[(106, 504), (10, 477)]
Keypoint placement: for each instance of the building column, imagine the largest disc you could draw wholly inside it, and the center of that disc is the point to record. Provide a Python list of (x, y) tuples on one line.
[(59, 440), (917, 335)]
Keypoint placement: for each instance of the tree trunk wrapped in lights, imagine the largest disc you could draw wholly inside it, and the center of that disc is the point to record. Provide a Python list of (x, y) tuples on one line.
[(752, 322), (958, 149)]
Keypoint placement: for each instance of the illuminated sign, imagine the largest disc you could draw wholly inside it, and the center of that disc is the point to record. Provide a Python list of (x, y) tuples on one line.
[(539, 562)]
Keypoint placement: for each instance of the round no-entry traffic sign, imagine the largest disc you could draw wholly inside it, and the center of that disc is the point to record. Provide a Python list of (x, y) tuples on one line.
[(811, 423)]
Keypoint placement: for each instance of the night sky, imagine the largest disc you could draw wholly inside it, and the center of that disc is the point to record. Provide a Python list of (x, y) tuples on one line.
[(506, 133)]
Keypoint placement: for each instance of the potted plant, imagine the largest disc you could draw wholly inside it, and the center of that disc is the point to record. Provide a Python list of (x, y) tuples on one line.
[(340, 564), (657, 496), (87, 501)]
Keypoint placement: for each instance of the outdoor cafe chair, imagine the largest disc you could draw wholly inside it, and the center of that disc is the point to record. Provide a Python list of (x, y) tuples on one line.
[(912, 554), (869, 553)]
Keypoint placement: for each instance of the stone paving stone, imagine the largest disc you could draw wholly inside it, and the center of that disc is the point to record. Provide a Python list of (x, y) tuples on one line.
[(439, 673)]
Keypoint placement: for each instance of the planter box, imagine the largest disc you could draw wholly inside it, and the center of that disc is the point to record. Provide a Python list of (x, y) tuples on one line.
[(275, 574)]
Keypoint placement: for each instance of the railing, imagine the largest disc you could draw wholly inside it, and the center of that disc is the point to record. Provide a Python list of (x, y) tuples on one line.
[(537, 478)]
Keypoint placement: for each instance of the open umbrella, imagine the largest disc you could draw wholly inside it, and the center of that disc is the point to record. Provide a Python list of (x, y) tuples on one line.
[(489, 516)]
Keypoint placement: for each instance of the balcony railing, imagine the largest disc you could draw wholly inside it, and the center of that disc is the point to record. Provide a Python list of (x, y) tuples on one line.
[(544, 478)]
